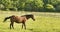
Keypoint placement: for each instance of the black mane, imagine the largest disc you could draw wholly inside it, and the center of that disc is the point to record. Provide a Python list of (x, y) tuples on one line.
[(28, 16)]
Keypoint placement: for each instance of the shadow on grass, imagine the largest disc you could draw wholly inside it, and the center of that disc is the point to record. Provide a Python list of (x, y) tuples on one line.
[(33, 30), (37, 30)]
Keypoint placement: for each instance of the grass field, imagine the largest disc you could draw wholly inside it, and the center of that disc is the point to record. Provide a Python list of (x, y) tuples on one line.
[(45, 22)]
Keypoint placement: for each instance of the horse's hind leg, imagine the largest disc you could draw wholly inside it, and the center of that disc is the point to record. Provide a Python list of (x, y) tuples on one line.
[(11, 24)]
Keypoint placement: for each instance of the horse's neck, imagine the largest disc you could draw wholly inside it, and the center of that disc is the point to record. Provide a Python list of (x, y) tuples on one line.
[(27, 17)]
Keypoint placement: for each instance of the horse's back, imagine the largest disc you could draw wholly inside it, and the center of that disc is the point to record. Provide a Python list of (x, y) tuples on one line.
[(19, 19)]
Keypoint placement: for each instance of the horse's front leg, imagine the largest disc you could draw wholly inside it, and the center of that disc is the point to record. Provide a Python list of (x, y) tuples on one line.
[(24, 25), (13, 25)]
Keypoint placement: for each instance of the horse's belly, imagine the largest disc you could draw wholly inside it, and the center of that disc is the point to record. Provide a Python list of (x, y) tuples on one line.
[(18, 21)]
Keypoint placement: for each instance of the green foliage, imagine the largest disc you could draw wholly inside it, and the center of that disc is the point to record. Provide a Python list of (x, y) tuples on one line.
[(1, 6), (29, 5), (50, 7)]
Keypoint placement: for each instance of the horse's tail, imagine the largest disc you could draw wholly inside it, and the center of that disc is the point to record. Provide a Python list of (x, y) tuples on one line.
[(7, 18)]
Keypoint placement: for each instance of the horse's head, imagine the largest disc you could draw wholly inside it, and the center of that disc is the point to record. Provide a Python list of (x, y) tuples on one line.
[(29, 16), (32, 16)]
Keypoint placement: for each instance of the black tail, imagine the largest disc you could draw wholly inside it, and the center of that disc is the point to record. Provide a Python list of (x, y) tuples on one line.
[(7, 18)]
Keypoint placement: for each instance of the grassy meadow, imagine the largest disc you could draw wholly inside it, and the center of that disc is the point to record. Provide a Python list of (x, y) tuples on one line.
[(45, 22)]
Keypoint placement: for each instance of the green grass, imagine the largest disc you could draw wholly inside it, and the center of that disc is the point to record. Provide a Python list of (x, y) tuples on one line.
[(45, 22)]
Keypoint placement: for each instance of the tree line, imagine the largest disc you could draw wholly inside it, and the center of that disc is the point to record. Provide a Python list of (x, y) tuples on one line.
[(30, 5)]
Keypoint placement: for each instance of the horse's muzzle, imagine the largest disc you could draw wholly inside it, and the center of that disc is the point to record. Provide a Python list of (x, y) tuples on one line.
[(33, 19)]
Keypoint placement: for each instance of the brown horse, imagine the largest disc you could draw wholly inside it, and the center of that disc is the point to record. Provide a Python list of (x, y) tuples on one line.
[(19, 19)]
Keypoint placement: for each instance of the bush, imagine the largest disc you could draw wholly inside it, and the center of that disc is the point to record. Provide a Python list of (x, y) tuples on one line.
[(50, 7)]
